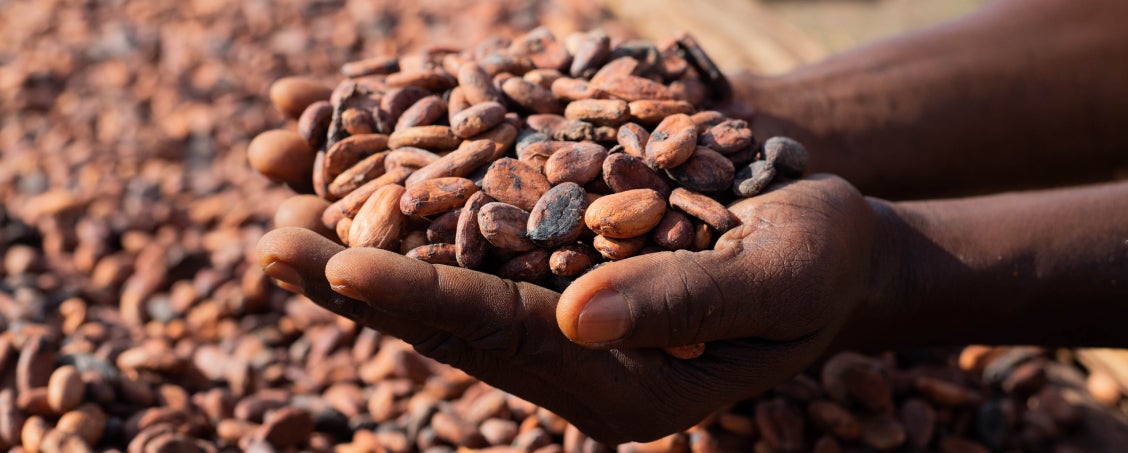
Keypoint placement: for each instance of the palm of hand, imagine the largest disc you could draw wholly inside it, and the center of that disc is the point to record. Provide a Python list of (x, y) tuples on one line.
[(769, 300)]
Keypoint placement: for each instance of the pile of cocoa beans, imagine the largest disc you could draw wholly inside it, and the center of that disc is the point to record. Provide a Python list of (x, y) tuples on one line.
[(534, 158), (129, 218)]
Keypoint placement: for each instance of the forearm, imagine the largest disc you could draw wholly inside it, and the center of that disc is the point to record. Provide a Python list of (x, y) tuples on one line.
[(1048, 267), (1020, 94)]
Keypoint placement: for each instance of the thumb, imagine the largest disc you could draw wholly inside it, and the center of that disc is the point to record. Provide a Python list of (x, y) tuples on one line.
[(659, 300)]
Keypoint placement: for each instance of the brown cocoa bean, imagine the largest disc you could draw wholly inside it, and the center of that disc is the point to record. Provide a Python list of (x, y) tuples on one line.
[(471, 155), (674, 232), (591, 51), (503, 137), (287, 426), (633, 88), (514, 182), (945, 393), (727, 137), (410, 157), (706, 119), (543, 77), (753, 178), (370, 66), (434, 196), (617, 249), (434, 254), (430, 80), (705, 171), (65, 389), (527, 267), (557, 217), (365, 170), (621, 66), (569, 89), (579, 163), (719, 88), (379, 221), (530, 96), (780, 425), (625, 214), (424, 112), (433, 138), (606, 112), (633, 139), (476, 84), (357, 121), (313, 125), (396, 101), (456, 102), (348, 152), (469, 244), (476, 119), (35, 363), (882, 432), (442, 228), (919, 420), (411, 240), (653, 112), (672, 142), (88, 422), (291, 95), (834, 419), (503, 225), (788, 156), (853, 378), (703, 208), (282, 156), (573, 260)]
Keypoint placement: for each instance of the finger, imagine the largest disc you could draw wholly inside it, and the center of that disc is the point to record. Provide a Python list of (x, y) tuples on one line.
[(296, 259), (658, 300), (472, 305)]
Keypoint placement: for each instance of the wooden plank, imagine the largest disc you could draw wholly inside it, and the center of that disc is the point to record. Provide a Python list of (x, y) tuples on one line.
[(737, 34)]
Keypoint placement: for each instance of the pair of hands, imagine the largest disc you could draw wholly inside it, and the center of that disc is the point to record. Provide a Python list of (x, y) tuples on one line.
[(769, 300)]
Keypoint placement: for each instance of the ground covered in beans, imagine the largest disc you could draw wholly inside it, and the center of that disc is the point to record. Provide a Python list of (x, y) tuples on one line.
[(133, 320)]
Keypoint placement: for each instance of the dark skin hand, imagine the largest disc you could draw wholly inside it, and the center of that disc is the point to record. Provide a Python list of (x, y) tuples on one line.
[(761, 324), (973, 106), (1022, 94), (814, 268)]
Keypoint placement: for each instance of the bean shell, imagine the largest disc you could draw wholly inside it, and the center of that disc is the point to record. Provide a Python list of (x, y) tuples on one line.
[(672, 142), (504, 226), (476, 119), (526, 267), (705, 171), (623, 172), (514, 182), (618, 249), (379, 221), (580, 163), (625, 214), (704, 208), (435, 196), (434, 254), (557, 218), (470, 245)]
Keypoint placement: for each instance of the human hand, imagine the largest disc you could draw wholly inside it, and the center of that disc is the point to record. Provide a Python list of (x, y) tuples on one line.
[(769, 300)]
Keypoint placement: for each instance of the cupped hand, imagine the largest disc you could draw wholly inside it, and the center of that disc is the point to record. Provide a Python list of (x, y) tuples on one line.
[(769, 300)]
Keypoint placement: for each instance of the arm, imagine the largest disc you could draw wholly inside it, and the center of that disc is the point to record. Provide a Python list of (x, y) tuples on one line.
[(1045, 267), (1020, 94)]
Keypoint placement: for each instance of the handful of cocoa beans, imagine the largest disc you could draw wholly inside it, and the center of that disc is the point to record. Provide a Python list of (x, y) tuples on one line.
[(533, 159)]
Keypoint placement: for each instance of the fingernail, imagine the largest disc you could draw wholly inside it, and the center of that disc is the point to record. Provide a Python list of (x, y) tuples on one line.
[(606, 317), (288, 278), (347, 291)]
